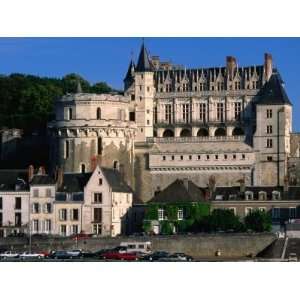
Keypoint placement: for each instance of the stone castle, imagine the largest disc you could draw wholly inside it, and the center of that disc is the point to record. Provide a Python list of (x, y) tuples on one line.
[(229, 123)]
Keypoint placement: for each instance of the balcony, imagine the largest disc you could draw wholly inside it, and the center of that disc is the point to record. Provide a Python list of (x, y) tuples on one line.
[(196, 139)]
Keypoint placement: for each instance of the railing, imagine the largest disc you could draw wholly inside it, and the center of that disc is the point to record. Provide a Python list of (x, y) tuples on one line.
[(195, 139)]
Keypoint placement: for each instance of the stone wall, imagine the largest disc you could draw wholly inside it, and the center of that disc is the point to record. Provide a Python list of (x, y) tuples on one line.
[(199, 246)]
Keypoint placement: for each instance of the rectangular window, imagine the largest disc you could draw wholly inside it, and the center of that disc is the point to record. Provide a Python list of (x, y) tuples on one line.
[(292, 212), (97, 229), (248, 210), (180, 214), (237, 110), (269, 158), (132, 97), (185, 112), (225, 156), (97, 214), (35, 193), (100, 181), (48, 225), (36, 226), (269, 113), (63, 230), (132, 116), (269, 143), (1, 204), (35, 208), (48, 193), (220, 112), (1, 219), (269, 129), (164, 158), (160, 214), (263, 209), (148, 122), (74, 229), (67, 149), (75, 214), (98, 198), (155, 115), (48, 208), (18, 203), (243, 156), (276, 212), (63, 214), (202, 116), (168, 113), (18, 219)]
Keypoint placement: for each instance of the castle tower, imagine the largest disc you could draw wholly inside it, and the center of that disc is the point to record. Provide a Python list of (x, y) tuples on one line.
[(272, 136)]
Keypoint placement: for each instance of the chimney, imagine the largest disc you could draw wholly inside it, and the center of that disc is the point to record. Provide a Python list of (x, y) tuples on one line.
[(41, 171), (93, 163), (186, 183), (60, 178), (122, 171), (268, 66), (30, 172), (231, 66), (286, 184)]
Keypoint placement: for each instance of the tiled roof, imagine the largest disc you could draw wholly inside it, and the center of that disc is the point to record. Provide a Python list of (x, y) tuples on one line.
[(180, 191), (115, 180), (9, 179), (273, 92)]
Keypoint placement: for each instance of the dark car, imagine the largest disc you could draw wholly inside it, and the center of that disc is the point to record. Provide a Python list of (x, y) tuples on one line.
[(88, 254), (61, 254), (177, 257), (156, 256)]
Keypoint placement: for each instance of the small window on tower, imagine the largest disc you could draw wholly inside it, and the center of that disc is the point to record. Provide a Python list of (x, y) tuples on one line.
[(132, 97), (269, 158), (132, 116), (148, 89)]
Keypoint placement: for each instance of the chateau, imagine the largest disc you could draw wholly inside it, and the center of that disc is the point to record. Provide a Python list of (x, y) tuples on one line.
[(232, 123)]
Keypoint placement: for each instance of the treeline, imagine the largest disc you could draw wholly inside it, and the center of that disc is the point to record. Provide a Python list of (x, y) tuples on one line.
[(27, 101)]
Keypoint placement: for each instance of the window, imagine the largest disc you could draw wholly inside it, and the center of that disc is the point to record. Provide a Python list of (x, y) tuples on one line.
[(74, 229), (97, 214), (225, 156), (237, 110), (269, 113), (269, 129), (35, 208), (262, 209), (249, 195), (243, 156), (233, 209), (190, 157), (292, 212), (63, 214), (67, 149), (233, 156), (98, 115), (202, 115), (181, 157), (172, 157), (63, 230), (100, 181), (98, 198), (132, 116), (168, 113), (48, 225), (132, 97), (1, 221), (70, 112), (48, 208), (99, 145), (97, 229), (155, 115), (199, 157), (269, 143), (160, 214), (269, 158), (35, 193), (18, 220), (262, 196), (1, 204), (18, 203), (207, 157), (116, 165), (220, 112), (48, 192), (276, 212), (276, 195), (164, 158), (148, 89), (248, 210), (36, 226), (75, 214), (185, 112), (82, 168), (148, 122), (216, 156), (180, 214)]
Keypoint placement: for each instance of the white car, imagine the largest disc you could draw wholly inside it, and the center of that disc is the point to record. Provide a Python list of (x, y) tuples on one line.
[(29, 255), (9, 254), (74, 253)]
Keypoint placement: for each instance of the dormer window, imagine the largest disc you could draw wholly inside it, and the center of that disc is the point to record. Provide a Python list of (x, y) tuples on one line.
[(276, 195), (249, 195), (262, 196), (219, 197), (160, 214), (232, 197)]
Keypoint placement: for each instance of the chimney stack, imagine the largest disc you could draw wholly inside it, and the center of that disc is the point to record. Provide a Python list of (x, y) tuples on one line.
[(30, 172), (268, 66), (93, 163), (286, 184), (60, 178), (41, 171), (231, 66)]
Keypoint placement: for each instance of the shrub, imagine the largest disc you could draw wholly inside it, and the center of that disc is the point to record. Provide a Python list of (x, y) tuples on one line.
[(258, 221), (166, 227)]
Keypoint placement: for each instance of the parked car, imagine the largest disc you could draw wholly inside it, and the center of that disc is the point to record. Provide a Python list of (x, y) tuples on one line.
[(144, 247), (177, 257), (293, 257), (60, 254), (88, 254), (30, 255), (74, 253), (9, 254), (155, 256), (120, 256)]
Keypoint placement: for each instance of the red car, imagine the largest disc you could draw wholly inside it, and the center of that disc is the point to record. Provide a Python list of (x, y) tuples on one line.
[(120, 256)]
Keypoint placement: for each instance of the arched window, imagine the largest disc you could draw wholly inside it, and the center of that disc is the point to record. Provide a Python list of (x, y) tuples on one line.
[(98, 113), (116, 165), (220, 132), (185, 133), (82, 168), (99, 145), (202, 132), (237, 131), (168, 133), (67, 149)]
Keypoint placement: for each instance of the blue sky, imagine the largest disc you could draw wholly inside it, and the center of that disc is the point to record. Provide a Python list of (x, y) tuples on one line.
[(106, 59)]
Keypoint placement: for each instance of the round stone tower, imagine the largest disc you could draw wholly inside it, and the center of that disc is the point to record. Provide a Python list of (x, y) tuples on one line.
[(92, 129)]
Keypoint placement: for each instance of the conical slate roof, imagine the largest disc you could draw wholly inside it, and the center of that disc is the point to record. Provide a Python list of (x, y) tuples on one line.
[(144, 63), (129, 74), (273, 92)]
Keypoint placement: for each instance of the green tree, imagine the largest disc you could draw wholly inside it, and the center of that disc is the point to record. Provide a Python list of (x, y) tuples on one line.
[(258, 221)]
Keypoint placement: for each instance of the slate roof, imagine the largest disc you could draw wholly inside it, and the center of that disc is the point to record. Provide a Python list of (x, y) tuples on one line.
[(74, 182), (42, 180), (115, 180), (273, 92), (144, 63), (129, 74), (9, 179), (178, 192)]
